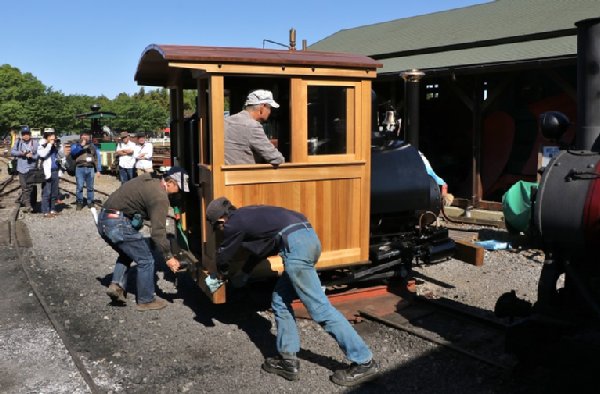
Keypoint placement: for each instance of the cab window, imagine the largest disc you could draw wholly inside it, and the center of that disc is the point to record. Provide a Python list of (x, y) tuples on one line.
[(330, 119)]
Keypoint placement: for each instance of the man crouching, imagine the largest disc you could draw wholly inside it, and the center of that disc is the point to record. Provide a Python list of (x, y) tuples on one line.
[(263, 231), (119, 222)]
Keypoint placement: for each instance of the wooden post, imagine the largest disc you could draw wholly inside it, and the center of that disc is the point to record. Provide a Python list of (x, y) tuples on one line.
[(476, 142)]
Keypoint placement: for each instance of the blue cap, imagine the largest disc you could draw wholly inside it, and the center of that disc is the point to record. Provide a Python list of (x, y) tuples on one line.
[(25, 130)]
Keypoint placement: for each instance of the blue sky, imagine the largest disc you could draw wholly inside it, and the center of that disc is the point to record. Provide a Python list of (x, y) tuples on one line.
[(93, 47)]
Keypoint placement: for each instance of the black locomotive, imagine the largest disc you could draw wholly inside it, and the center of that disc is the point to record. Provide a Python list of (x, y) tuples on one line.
[(562, 328)]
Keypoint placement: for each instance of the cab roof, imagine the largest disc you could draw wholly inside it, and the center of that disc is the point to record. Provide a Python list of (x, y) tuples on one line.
[(159, 64)]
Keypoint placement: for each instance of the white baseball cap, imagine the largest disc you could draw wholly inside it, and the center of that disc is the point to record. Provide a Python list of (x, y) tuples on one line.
[(180, 176), (261, 96)]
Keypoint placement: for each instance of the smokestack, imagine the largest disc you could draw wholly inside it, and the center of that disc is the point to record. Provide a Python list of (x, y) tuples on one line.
[(588, 85), (411, 105), (292, 39)]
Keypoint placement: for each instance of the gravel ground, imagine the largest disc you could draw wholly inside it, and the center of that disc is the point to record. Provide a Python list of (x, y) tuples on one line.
[(194, 346)]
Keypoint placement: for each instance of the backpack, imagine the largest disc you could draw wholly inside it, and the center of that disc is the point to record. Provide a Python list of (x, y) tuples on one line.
[(70, 165)]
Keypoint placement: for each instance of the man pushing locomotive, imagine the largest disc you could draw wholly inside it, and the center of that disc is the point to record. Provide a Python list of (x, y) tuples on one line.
[(268, 230), (119, 222)]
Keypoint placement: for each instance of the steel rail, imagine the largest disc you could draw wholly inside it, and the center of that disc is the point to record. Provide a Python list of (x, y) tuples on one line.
[(20, 251), (85, 374)]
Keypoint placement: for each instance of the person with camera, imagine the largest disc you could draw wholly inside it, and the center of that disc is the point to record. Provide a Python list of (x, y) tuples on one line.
[(25, 150), (119, 222), (51, 155), (87, 162)]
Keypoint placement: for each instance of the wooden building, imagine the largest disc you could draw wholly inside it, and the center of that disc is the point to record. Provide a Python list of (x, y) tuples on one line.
[(490, 70)]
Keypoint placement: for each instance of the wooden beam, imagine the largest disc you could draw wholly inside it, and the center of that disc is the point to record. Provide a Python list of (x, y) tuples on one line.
[(219, 296), (462, 95), (469, 252), (496, 91), (213, 68), (476, 148)]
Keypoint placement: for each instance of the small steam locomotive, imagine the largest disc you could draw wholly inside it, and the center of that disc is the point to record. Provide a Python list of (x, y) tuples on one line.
[(373, 206)]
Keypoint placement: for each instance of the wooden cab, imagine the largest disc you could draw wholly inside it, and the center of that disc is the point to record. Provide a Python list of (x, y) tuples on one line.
[(323, 129)]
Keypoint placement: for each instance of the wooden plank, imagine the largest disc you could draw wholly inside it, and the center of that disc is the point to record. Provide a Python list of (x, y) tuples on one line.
[(489, 205), (298, 114), (469, 253), (282, 174), (219, 296), (213, 68), (363, 151), (467, 236), (328, 260)]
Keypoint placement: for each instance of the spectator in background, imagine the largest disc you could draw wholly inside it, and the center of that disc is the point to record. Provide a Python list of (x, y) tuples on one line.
[(143, 154), (87, 161), (25, 150), (125, 153), (50, 154)]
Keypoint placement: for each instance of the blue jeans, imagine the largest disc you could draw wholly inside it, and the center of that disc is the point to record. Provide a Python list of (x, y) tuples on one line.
[(131, 246), (84, 175), (126, 174), (50, 193), (300, 278)]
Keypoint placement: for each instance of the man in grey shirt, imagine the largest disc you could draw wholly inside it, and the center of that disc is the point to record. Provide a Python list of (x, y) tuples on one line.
[(245, 138)]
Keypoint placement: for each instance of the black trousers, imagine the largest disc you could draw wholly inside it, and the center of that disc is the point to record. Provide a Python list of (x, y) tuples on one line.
[(28, 192)]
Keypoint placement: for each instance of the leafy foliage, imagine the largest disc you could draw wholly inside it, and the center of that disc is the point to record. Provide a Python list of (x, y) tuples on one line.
[(26, 100)]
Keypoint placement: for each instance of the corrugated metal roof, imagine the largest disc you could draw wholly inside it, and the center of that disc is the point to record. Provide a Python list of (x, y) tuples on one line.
[(500, 31), (515, 52)]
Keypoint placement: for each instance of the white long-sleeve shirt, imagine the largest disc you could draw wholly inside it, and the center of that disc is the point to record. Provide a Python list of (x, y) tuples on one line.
[(144, 162), (126, 161)]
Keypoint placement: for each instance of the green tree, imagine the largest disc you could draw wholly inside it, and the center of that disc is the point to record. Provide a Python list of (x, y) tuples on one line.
[(17, 91), (25, 100)]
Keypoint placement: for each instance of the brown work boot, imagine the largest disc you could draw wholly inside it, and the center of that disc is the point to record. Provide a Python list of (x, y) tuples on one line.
[(116, 294), (152, 306), (356, 374)]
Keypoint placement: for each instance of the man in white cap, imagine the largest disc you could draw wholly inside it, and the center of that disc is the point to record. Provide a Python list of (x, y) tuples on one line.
[(143, 198), (245, 138)]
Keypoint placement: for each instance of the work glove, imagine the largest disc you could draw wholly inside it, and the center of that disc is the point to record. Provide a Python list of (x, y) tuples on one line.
[(213, 283), (240, 279)]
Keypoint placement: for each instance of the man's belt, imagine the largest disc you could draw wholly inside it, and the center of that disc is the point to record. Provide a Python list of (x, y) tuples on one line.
[(112, 213), (283, 234)]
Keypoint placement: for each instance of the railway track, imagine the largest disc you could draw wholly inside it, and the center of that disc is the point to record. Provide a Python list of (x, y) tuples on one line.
[(10, 187), (461, 331), (438, 321)]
